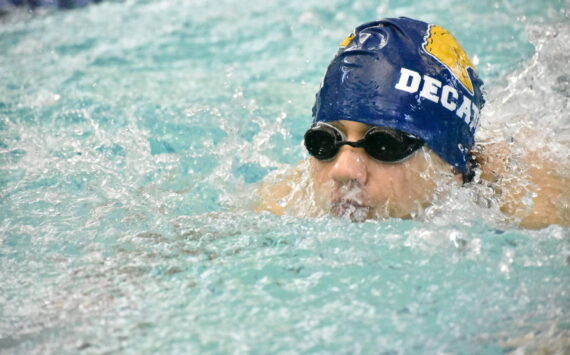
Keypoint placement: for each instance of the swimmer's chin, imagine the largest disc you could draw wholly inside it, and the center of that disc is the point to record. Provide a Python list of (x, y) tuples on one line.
[(350, 209)]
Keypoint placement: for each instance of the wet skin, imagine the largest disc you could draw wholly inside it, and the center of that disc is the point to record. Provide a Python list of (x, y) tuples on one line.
[(531, 189), (355, 185)]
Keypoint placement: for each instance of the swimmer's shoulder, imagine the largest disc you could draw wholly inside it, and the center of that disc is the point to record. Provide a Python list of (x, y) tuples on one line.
[(533, 190), (280, 191)]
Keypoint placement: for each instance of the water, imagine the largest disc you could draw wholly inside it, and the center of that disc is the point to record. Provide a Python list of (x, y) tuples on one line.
[(133, 134)]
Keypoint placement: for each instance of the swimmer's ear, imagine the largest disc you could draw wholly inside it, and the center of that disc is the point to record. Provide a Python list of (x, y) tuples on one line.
[(472, 164)]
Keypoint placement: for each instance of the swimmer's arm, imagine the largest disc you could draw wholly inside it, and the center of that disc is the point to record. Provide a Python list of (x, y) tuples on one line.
[(277, 195), (532, 190), (270, 196)]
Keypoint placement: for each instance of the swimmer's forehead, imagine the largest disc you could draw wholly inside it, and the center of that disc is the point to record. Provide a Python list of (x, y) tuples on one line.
[(358, 127)]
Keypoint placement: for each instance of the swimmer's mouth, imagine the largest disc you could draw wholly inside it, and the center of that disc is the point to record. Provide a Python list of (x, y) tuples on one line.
[(351, 209)]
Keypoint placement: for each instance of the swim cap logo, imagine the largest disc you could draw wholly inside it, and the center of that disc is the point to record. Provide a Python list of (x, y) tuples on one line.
[(441, 45), (347, 40)]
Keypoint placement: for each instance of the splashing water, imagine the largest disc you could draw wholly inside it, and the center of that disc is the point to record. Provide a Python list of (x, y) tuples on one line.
[(350, 204), (133, 134)]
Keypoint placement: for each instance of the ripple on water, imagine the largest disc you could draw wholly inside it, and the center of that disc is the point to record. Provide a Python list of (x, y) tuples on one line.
[(130, 143)]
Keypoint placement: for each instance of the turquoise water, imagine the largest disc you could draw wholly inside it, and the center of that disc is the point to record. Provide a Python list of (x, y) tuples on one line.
[(133, 134)]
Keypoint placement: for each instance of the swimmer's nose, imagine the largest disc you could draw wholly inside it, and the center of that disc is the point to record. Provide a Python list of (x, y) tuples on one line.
[(349, 165)]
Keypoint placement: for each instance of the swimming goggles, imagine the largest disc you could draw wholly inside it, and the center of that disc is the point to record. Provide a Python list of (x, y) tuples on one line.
[(323, 141)]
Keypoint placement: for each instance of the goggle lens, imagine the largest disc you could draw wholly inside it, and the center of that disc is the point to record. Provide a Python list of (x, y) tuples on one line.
[(390, 147), (321, 142)]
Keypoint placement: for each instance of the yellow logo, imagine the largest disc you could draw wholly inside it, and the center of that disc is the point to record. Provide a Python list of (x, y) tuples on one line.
[(347, 40), (444, 47)]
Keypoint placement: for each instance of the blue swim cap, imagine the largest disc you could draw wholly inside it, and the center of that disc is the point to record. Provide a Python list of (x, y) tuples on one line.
[(407, 75)]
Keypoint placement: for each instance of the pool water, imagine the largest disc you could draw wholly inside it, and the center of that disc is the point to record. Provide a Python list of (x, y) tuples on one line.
[(133, 135)]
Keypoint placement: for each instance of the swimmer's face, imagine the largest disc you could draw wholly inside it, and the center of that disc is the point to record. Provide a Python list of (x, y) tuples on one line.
[(355, 185)]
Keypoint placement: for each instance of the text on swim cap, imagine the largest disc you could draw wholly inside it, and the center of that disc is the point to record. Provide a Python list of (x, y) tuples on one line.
[(431, 89)]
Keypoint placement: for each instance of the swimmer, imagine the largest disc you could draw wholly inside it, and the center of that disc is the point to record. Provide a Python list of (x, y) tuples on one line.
[(394, 124)]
